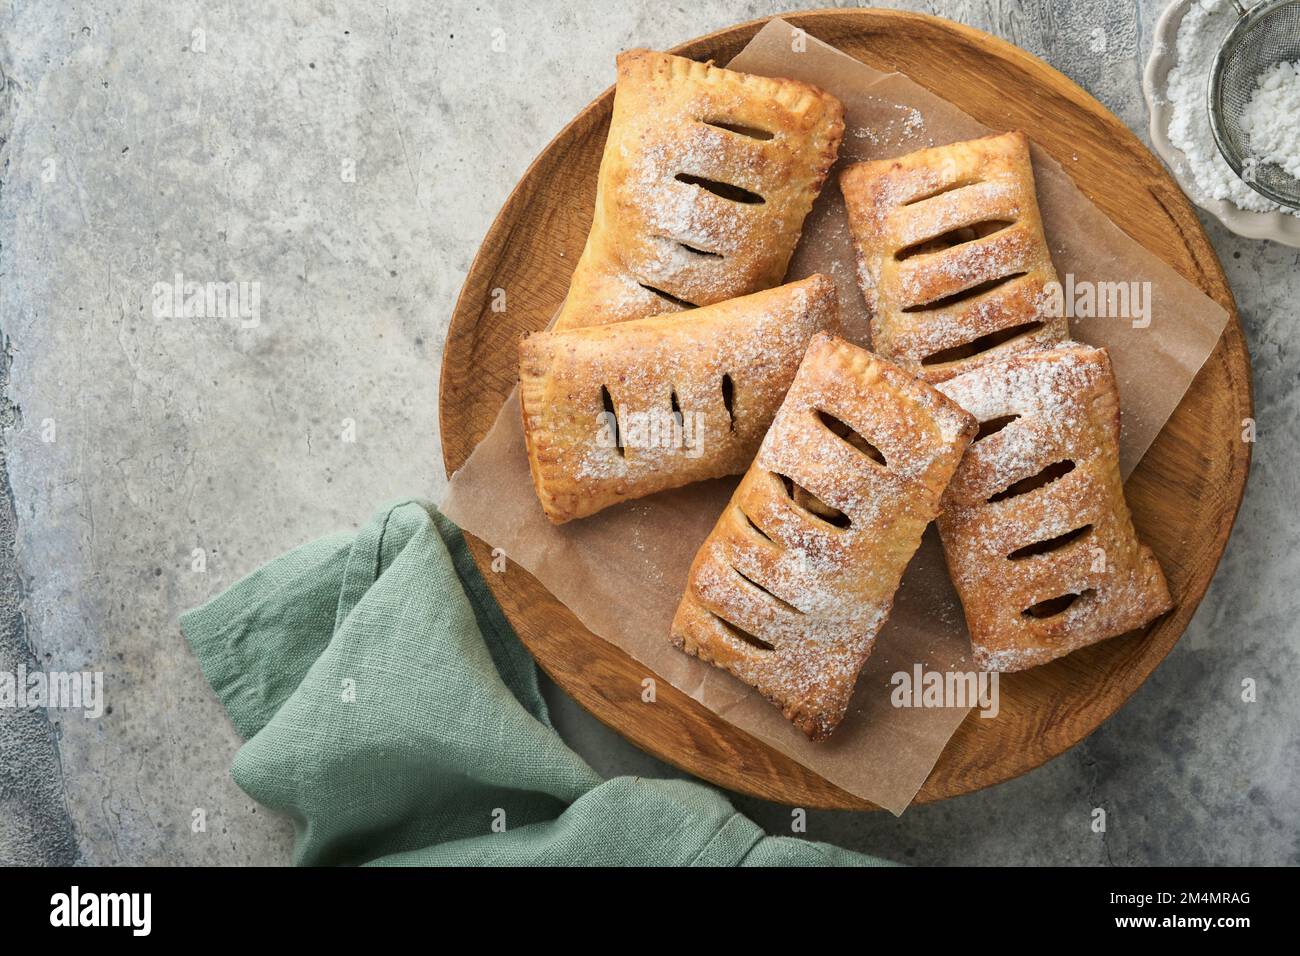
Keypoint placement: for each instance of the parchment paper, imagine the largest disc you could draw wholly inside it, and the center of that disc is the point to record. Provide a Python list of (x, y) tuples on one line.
[(622, 572)]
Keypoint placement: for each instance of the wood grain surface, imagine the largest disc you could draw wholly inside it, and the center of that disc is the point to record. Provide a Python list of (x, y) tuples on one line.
[(1184, 495)]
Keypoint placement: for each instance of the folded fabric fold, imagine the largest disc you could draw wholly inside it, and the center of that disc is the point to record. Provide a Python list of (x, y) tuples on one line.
[(390, 711)]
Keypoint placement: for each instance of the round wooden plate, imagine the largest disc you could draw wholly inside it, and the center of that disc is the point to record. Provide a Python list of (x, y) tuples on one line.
[(1184, 495)]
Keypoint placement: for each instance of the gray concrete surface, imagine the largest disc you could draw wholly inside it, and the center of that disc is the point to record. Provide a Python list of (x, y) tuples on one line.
[(146, 139), (35, 828)]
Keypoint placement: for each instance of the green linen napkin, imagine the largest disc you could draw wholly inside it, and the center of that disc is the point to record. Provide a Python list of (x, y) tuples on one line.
[(390, 711)]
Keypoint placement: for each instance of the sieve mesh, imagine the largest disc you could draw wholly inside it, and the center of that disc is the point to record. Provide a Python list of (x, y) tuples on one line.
[(1266, 36)]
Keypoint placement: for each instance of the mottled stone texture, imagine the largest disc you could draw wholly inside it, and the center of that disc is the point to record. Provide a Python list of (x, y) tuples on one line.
[(348, 157)]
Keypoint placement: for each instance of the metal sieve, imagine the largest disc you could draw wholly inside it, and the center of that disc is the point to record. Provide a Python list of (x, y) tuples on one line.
[(1261, 39)]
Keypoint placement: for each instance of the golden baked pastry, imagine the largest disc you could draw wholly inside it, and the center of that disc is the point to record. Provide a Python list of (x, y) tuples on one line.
[(789, 596), (1035, 528), (705, 181), (620, 411), (951, 255)]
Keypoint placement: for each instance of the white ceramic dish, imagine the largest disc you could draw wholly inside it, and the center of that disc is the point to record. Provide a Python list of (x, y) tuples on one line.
[(1277, 226)]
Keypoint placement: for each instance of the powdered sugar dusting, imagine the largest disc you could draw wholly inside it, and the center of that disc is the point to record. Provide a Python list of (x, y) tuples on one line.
[(906, 124)]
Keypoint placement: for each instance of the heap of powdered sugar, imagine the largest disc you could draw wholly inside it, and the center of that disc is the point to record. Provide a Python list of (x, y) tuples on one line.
[(1200, 34), (1271, 119)]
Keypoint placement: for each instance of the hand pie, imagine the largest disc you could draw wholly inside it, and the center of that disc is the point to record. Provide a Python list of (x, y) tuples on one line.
[(704, 185), (1035, 528), (792, 585), (619, 411), (951, 255)]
